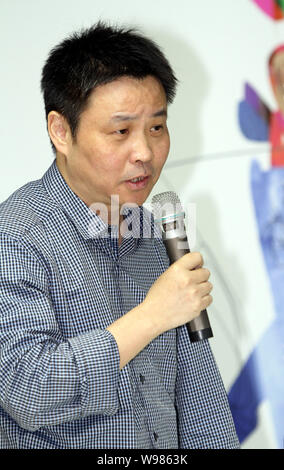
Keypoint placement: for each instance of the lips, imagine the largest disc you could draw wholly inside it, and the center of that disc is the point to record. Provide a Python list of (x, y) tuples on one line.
[(139, 182), (138, 178)]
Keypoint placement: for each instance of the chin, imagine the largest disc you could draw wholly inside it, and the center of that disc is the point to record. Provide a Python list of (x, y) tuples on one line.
[(135, 201)]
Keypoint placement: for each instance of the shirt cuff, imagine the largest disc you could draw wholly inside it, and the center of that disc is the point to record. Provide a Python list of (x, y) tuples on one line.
[(97, 357)]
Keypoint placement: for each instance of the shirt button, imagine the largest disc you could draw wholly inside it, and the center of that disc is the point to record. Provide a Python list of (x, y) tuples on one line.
[(142, 378), (155, 436)]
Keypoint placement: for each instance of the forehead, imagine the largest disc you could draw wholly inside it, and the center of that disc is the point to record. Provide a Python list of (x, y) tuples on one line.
[(127, 94)]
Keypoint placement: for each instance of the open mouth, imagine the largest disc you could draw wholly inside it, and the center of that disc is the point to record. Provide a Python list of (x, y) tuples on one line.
[(138, 183)]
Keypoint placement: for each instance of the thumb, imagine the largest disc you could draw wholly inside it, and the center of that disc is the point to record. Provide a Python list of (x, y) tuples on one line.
[(191, 261)]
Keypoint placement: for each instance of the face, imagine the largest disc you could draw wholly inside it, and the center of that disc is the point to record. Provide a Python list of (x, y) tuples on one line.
[(122, 135), (277, 78)]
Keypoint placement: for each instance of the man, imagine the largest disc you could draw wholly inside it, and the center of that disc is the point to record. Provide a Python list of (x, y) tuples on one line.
[(94, 348)]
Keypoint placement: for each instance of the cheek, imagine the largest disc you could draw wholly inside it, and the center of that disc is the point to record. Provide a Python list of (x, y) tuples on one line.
[(101, 161), (163, 151), (108, 171)]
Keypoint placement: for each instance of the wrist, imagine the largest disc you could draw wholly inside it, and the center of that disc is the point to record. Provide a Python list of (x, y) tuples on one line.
[(153, 317), (133, 331)]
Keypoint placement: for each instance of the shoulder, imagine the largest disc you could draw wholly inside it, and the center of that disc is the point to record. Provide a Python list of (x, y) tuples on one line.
[(25, 209)]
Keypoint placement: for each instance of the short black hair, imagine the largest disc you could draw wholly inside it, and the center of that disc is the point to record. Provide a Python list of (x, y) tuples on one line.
[(96, 56)]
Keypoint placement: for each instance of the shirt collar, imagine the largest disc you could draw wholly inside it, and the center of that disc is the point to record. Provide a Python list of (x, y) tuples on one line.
[(90, 225), (87, 222)]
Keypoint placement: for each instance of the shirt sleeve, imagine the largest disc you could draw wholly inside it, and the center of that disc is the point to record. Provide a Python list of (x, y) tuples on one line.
[(204, 416), (44, 378)]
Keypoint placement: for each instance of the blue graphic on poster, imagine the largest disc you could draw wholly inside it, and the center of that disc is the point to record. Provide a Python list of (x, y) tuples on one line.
[(262, 376)]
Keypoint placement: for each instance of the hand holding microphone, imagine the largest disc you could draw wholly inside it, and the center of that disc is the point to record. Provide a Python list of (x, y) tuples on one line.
[(191, 284), (179, 296), (180, 293)]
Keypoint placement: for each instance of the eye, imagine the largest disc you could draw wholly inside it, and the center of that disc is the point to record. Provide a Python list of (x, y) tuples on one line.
[(157, 128), (121, 131)]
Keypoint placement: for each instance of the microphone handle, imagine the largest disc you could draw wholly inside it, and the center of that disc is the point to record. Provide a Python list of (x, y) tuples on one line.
[(199, 328)]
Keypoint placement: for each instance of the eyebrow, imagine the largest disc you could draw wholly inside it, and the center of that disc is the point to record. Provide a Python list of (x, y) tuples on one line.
[(132, 117)]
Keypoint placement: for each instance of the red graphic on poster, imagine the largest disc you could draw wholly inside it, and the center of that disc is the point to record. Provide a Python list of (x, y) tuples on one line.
[(257, 120), (272, 8)]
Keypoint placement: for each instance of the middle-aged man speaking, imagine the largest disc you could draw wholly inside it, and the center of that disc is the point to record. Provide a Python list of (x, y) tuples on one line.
[(94, 348)]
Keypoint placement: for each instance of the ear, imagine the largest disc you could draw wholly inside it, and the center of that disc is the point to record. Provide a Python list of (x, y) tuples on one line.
[(59, 132)]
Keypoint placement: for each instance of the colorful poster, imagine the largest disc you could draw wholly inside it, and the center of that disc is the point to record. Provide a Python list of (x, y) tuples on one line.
[(272, 8), (262, 376)]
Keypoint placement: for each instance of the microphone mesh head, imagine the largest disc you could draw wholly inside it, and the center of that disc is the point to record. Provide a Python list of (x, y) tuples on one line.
[(166, 206), (166, 197)]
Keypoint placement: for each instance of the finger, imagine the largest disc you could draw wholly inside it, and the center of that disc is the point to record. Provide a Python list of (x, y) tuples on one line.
[(205, 288), (200, 275), (206, 301), (191, 260)]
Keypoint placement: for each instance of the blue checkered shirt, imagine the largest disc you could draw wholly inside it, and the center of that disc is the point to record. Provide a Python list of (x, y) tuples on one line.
[(63, 280)]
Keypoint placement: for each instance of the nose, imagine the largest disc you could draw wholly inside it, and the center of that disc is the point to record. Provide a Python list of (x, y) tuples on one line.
[(141, 150)]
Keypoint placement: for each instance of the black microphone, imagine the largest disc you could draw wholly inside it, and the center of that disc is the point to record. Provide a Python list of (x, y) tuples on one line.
[(169, 214)]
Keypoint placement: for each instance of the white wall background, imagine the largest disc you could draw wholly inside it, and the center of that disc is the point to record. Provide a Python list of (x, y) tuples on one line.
[(214, 46)]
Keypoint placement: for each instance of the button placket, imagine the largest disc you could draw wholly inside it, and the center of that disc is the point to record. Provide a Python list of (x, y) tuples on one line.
[(155, 435), (142, 378)]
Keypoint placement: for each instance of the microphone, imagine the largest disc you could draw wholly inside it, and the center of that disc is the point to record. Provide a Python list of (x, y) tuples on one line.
[(169, 214)]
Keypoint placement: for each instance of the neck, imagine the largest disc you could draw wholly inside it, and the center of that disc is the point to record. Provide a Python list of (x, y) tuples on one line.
[(111, 214)]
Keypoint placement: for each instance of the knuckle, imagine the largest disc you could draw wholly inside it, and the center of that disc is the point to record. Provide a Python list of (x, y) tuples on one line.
[(197, 307), (206, 273), (193, 291), (210, 299), (183, 279), (190, 277), (197, 258), (200, 258)]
